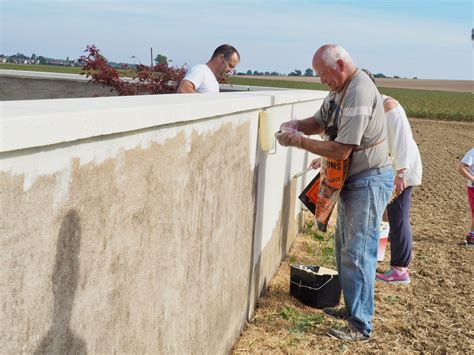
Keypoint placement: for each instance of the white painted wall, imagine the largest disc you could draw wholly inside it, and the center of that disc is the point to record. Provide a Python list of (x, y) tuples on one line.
[(42, 138)]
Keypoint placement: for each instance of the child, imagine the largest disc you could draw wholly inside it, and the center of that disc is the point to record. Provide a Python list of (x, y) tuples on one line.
[(466, 169)]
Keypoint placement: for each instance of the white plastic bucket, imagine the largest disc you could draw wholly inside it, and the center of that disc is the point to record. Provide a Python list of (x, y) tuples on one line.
[(383, 239)]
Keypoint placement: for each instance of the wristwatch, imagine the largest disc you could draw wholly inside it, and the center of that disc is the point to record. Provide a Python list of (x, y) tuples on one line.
[(401, 175)]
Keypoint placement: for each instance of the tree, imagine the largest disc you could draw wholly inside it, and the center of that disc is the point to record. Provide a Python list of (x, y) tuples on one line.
[(41, 59), (308, 72), (296, 72), (249, 72), (159, 79), (161, 59)]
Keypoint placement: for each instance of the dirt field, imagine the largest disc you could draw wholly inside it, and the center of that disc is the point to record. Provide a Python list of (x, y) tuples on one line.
[(423, 84), (434, 313)]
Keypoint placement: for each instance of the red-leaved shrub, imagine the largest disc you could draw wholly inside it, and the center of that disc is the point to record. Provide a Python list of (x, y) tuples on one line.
[(161, 79)]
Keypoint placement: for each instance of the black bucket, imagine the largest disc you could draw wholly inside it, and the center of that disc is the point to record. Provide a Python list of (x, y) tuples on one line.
[(315, 286)]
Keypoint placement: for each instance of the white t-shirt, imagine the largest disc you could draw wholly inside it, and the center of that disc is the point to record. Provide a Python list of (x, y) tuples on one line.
[(401, 145), (469, 161), (203, 79)]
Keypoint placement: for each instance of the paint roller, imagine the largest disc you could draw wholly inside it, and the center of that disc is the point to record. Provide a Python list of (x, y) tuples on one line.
[(266, 129), (267, 134), (268, 138)]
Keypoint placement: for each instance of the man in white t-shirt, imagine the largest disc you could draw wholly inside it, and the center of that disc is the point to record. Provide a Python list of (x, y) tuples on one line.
[(203, 77)]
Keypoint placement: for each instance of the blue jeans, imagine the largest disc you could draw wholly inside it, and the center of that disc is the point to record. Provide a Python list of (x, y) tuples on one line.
[(359, 213)]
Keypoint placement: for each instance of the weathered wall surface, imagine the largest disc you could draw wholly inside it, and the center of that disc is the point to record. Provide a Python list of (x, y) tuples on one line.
[(128, 250), (147, 240)]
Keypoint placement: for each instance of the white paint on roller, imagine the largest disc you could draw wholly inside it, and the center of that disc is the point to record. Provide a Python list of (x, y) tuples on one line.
[(266, 130)]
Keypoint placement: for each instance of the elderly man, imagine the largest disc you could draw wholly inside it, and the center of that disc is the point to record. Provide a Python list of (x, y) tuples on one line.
[(353, 122), (203, 77)]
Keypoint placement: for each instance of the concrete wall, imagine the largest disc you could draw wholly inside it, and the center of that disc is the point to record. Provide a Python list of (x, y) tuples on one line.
[(143, 224), (28, 85), (31, 85)]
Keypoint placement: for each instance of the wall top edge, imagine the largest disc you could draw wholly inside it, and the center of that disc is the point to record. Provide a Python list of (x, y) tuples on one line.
[(37, 123), (41, 75)]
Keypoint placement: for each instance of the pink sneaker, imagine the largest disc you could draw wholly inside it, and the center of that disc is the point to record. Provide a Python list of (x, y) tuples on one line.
[(394, 276)]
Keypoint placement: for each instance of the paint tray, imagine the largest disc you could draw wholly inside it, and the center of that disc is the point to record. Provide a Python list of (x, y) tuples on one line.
[(315, 286)]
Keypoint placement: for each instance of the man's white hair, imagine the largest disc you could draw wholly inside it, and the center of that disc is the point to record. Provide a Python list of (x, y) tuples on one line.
[(333, 53)]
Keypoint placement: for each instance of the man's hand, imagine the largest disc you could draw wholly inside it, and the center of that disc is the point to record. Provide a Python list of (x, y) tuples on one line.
[(315, 164), (289, 126), (289, 138)]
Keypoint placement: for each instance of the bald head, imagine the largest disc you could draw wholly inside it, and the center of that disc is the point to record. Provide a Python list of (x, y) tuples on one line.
[(330, 54), (334, 66)]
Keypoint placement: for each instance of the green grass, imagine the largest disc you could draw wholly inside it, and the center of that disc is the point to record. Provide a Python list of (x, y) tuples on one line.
[(292, 342), (277, 83), (52, 68), (310, 249), (432, 104), (440, 105), (420, 257), (327, 255), (321, 245), (392, 299), (300, 322), (310, 230), (40, 68)]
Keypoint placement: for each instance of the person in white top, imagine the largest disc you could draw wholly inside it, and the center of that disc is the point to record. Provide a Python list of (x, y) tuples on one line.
[(466, 169), (407, 169), (203, 78)]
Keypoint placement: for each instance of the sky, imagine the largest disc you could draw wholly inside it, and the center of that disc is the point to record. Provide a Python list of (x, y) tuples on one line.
[(429, 39)]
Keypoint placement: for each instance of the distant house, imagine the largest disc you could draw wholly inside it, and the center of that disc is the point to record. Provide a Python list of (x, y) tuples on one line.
[(52, 61), (20, 58)]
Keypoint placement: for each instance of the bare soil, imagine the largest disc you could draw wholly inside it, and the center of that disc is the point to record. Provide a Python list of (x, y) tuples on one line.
[(422, 84), (434, 313)]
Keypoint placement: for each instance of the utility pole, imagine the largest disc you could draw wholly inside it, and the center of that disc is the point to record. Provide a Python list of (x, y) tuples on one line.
[(151, 57)]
